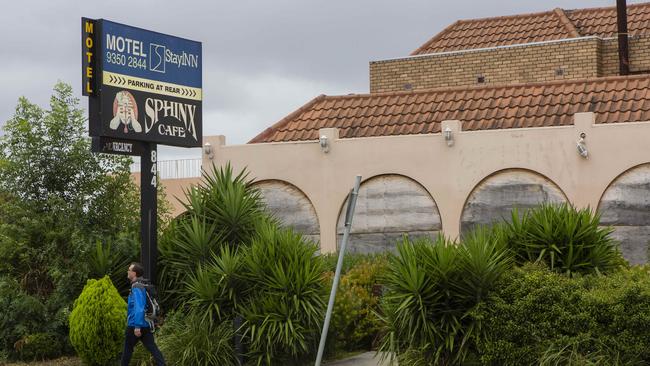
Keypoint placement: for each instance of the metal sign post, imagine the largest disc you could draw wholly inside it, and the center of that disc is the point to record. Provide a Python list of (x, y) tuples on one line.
[(349, 213), (149, 210)]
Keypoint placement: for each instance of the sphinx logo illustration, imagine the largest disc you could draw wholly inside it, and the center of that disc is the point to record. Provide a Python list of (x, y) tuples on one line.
[(157, 57), (125, 113)]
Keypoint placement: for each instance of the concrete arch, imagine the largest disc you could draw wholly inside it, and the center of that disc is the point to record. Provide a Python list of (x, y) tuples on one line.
[(625, 205), (494, 197), (389, 206), (291, 206)]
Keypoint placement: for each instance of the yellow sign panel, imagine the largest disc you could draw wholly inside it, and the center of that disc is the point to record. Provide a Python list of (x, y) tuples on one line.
[(152, 86)]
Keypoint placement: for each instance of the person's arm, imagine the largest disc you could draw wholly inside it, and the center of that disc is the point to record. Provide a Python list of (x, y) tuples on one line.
[(140, 304)]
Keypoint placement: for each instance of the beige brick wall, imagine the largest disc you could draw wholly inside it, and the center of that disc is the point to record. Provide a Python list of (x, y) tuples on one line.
[(518, 64), (568, 59), (639, 55)]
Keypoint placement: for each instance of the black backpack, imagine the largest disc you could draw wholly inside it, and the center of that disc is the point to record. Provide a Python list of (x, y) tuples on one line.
[(152, 312)]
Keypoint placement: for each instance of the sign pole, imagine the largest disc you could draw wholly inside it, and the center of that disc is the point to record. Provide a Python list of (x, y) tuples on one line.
[(149, 210), (349, 213)]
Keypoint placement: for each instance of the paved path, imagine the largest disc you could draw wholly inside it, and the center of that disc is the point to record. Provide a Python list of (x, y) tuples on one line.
[(364, 359)]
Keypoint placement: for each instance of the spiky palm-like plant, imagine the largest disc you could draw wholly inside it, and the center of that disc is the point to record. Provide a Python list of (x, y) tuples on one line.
[(568, 240), (284, 313), (215, 289), (223, 211), (187, 340), (432, 288)]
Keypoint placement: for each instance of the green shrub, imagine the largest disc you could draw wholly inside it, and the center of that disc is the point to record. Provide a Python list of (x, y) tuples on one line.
[(39, 347), (432, 289), (187, 340), (355, 324), (536, 315), (21, 315), (97, 323), (351, 260), (286, 306), (620, 306), (530, 309), (567, 240)]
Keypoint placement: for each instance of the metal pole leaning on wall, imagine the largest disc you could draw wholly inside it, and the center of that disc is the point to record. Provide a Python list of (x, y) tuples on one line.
[(349, 213)]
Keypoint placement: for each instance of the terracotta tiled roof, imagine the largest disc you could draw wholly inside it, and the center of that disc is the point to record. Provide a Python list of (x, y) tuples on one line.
[(537, 27), (612, 99), (602, 21)]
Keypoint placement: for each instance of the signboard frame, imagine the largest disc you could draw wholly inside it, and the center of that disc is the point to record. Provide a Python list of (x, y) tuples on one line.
[(128, 98)]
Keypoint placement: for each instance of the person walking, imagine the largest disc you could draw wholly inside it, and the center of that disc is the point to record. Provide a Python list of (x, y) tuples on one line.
[(137, 328)]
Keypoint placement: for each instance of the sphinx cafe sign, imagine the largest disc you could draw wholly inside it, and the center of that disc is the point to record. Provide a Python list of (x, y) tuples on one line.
[(142, 85)]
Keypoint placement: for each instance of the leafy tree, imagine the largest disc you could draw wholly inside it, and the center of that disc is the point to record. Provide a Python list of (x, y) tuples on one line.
[(45, 160), (57, 198)]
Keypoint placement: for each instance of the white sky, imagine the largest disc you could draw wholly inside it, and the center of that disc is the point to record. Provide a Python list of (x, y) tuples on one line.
[(261, 59)]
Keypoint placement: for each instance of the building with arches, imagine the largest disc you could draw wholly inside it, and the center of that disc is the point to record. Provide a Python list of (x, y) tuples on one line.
[(488, 115)]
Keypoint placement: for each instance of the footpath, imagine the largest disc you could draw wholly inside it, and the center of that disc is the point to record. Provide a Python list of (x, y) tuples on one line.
[(364, 359)]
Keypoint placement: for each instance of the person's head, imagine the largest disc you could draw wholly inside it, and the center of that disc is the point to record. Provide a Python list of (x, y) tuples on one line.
[(135, 270)]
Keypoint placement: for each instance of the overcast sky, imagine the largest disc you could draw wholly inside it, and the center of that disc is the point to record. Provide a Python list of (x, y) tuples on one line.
[(261, 59)]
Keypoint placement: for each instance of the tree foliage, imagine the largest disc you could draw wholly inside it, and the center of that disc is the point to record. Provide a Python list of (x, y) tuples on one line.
[(57, 199), (45, 159)]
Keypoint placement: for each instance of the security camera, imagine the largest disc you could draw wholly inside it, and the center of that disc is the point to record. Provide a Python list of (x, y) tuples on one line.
[(324, 144)]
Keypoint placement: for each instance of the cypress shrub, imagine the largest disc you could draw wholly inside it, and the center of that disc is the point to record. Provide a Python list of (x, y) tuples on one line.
[(97, 323)]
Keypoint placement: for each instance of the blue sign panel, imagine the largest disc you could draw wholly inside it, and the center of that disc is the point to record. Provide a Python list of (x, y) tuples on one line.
[(143, 85), (150, 55)]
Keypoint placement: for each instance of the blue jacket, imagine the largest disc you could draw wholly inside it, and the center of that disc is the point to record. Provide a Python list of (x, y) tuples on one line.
[(137, 304)]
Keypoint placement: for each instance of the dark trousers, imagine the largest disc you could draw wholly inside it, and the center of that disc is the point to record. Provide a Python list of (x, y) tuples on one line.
[(147, 340)]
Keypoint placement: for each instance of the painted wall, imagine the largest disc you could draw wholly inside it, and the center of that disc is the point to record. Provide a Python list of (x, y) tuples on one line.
[(626, 206), (456, 177), (389, 207), (291, 207), (495, 197)]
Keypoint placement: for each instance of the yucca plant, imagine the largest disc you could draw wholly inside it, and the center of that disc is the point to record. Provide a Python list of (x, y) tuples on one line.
[(111, 257), (223, 211), (215, 289), (187, 340), (188, 243), (432, 288), (229, 202), (284, 313), (568, 240)]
